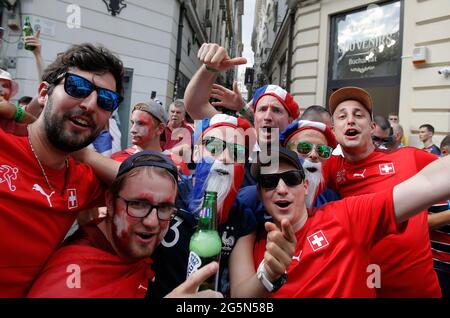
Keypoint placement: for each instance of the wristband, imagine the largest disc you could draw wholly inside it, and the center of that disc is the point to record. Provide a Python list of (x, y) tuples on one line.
[(244, 109), (19, 115), (211, 69)]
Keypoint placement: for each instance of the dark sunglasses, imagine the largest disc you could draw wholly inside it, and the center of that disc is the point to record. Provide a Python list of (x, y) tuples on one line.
[(292, 178), (216, 146), (79, 87), (305, 147), (382, 141)]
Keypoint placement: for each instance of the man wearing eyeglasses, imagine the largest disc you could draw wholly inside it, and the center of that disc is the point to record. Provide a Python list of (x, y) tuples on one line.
[(110, 257), (404, 259), (42, 187), (325, 254)]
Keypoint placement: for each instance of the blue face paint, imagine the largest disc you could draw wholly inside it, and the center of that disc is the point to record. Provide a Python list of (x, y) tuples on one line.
[(201, 175)]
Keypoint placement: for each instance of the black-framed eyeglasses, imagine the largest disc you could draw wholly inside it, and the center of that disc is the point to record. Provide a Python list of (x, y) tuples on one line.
[(141, 209), (79, 87), (292, 178), (216, 146), (305, 148)]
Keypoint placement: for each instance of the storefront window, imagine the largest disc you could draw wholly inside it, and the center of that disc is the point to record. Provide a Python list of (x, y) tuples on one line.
[(366, 44)]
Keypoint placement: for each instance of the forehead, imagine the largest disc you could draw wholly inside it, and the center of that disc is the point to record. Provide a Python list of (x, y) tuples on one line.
[(226, 133), (310, 135), (146, 182), (141, 115), (269, 100), (175, 108), (350, 106)]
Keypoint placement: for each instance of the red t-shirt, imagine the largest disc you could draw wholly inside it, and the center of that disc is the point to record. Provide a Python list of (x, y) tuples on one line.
[(34, 221), (88, 267), (124, 154), (332, 252), (405, 259)]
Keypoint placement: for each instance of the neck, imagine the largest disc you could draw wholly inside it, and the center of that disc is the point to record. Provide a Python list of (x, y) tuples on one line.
[(302, 221), (172, 125), (48, 155), (427, 143), (353, 155), (153, 145)]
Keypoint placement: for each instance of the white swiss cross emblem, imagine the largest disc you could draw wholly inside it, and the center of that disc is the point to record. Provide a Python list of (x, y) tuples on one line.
[(72, 201), (317, 241), (387, 168)]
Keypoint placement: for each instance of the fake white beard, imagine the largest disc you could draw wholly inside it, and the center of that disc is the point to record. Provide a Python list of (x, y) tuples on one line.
[(314, 181), (220, 183)]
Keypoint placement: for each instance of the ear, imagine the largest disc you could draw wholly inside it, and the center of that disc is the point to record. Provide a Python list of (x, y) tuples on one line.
[(109, 198), (372, 127), (160, 129), (43, 93), (306, 185)]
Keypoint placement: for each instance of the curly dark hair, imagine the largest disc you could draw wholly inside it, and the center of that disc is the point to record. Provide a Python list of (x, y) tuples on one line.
[(86, 57)]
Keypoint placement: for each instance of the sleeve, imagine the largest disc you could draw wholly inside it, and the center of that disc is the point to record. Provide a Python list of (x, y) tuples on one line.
[(369, 218), (423, 158)]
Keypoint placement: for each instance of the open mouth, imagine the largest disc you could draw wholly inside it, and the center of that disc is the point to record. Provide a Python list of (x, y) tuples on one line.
[(79, 121), (351, 132), (222, 172), (145, 236), (311, 169), (283, 204)]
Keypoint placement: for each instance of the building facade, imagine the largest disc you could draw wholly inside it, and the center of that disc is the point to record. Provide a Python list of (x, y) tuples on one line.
[(397, 50), (157, 40)]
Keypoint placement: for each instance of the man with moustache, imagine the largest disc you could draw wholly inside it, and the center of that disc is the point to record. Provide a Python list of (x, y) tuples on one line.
[(220, 151), (110, 257), (326, 254), (404, 259), (42, 188)]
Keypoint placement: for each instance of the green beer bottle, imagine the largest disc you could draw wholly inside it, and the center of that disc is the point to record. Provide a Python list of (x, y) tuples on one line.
[(27, 31), (205, 245)]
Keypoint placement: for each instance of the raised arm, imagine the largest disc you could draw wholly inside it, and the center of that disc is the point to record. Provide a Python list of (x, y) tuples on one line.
[(33, 40), (215, 59), (105, 168), (430, 185)]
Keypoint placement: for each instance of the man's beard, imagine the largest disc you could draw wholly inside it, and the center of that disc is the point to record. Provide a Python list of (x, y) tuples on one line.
[(315, 180), (217, 177), (61, 139)]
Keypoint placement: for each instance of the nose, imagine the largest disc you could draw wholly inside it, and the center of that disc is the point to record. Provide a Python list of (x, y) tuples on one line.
[(268, 115), (313, 155), (225, 156), (90, 102), (151, 219), (281, 188)]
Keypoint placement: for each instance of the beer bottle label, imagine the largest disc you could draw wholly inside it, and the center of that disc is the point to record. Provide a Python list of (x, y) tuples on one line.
[(194, 263)]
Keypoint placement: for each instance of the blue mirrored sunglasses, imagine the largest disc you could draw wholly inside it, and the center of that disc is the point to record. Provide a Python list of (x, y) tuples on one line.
[(79, 87)]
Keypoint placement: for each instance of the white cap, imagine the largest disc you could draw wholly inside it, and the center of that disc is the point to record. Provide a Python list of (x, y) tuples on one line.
[(14, 85)]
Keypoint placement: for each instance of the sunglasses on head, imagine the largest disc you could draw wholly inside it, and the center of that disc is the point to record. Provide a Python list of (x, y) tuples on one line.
[(305, 147), (291, 178), (216, 146), (79, 87)]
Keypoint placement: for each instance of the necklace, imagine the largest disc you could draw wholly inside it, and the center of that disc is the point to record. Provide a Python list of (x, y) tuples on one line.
[(41, 166)]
